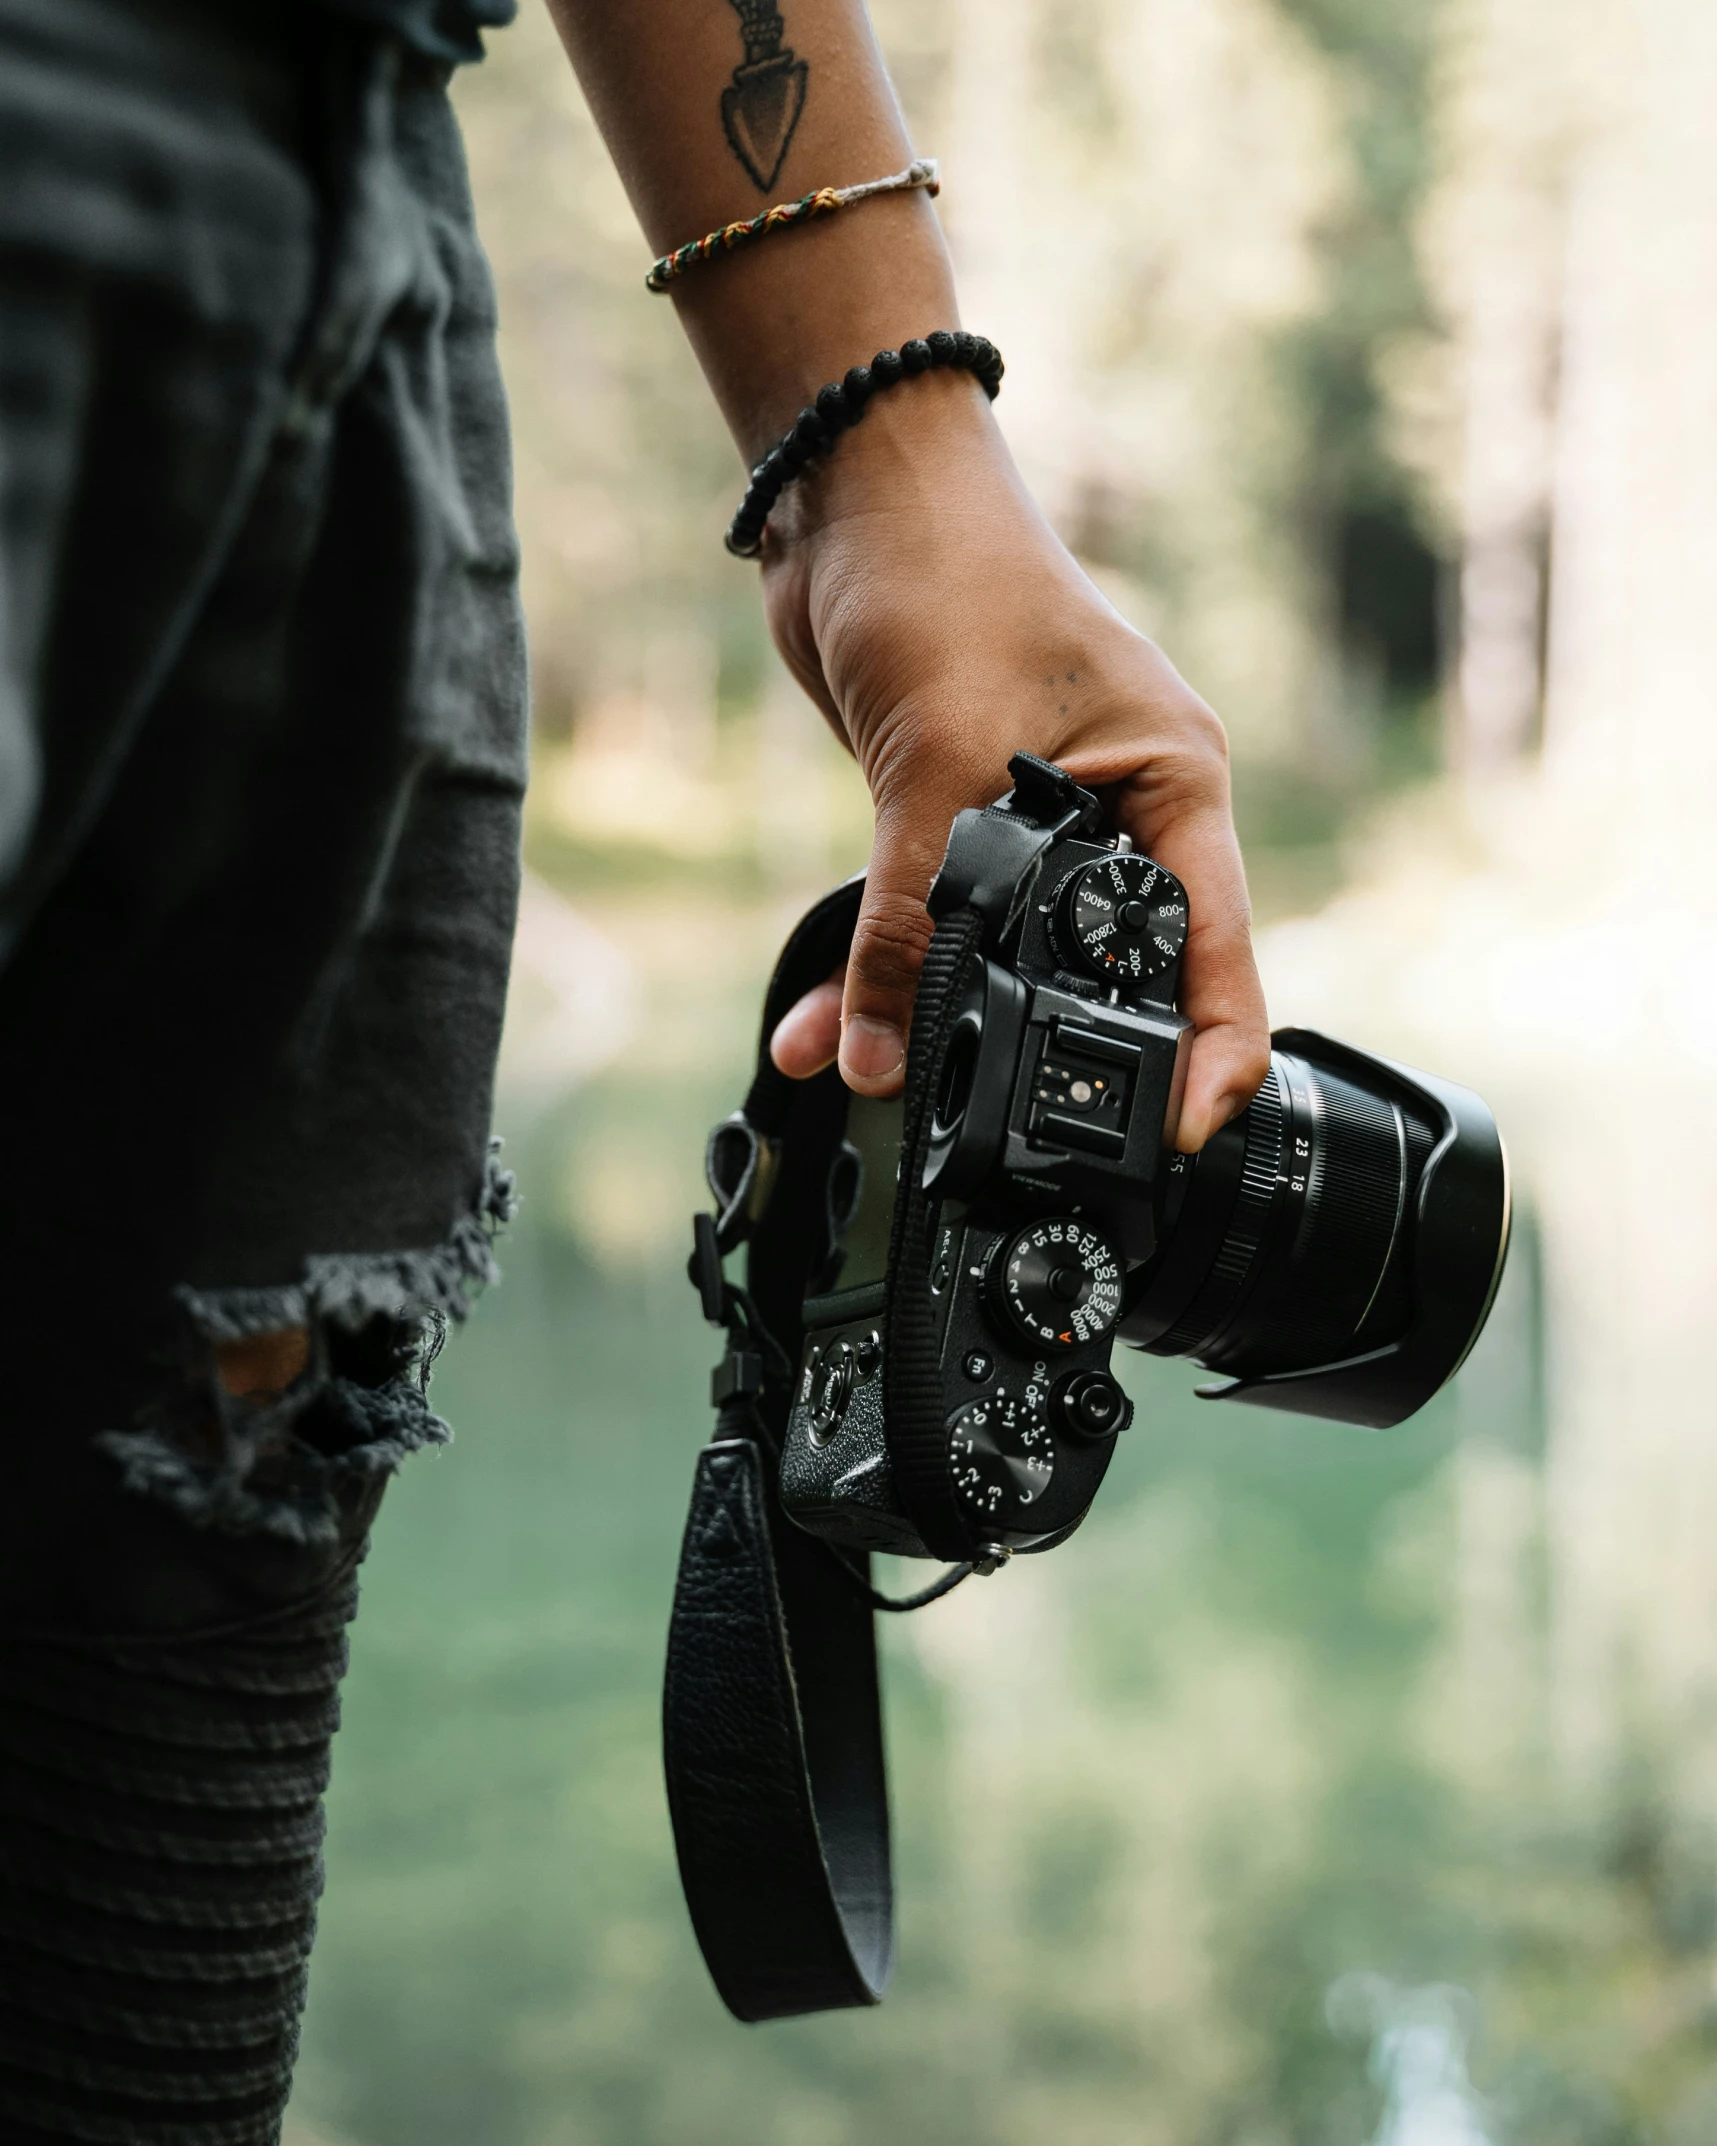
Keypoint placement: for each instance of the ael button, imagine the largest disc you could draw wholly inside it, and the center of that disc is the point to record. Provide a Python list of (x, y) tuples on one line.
[(1090, 1404)]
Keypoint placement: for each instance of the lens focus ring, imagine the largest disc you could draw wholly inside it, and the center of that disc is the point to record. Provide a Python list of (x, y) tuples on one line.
[(1215, 1301)]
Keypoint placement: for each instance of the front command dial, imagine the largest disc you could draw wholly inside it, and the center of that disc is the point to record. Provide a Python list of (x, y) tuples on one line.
[(1000, 1454), (1057, 1283), (1122, 918)]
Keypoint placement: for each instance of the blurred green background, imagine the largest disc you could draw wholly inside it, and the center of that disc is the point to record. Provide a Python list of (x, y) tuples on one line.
[(1305, 1800)]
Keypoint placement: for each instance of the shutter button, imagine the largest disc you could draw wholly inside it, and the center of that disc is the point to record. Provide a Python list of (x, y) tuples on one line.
[(1090, 1404)]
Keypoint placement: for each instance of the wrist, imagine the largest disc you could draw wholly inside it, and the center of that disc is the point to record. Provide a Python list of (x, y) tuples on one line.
[(920, 446), (772, 325)]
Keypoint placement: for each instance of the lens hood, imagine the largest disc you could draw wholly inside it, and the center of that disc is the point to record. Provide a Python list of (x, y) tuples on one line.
[(1454, 1253)]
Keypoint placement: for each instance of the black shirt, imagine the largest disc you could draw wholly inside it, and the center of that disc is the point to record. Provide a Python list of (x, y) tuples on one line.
[(445, 29)]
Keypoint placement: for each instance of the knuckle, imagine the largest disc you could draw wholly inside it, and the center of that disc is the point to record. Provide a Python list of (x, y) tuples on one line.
[(1221, 925), (1251, 1063), (1183, 773), (1194, 724), (1207, 727), (1193, 771), (890, 944)]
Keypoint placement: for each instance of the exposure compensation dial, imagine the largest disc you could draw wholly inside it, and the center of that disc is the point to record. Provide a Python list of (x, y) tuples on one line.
[(1000, 1454)]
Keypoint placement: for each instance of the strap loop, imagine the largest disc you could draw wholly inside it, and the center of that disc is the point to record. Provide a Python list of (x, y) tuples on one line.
[(739, 1166)]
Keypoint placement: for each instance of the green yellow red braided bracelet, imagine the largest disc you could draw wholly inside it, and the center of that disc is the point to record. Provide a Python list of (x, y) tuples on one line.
[(785, 214)]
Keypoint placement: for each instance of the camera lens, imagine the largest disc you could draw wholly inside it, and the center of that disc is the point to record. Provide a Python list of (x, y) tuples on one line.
[(1336, 1247)]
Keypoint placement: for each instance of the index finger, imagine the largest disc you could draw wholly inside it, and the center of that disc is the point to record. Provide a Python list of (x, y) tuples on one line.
[(1193, 836)]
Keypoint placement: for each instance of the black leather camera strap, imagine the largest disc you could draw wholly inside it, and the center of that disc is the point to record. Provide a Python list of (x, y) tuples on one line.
[(771, 1717), (772, 1736)]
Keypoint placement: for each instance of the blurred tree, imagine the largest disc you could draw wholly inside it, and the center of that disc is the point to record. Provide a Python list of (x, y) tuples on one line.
[(1190, 229), (1365, 513)]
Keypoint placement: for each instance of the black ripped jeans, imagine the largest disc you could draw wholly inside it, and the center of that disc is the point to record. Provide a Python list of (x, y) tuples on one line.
[(262, 710)]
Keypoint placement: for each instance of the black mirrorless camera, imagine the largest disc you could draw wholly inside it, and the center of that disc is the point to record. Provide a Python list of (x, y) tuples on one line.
[(1023, 1207), (920, 1361)]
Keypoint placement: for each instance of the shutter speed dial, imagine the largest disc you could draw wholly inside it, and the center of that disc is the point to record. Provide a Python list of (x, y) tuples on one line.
[(1055, 1282), (1122, 918)]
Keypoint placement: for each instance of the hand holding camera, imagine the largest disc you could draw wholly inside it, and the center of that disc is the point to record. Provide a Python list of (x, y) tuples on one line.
[(914, 588)]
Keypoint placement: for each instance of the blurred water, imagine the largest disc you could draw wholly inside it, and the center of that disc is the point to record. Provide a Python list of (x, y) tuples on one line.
[(1157, 1795), (1418, 2040)]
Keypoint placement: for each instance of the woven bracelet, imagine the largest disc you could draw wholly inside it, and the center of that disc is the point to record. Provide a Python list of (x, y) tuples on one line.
[(839, 406), (785, 214)]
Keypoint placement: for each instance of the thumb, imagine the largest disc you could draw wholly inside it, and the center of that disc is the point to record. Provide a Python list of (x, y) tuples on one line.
[(889, 942)]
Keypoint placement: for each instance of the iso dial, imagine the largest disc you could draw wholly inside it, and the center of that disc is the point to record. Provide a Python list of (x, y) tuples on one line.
[(1056, 1283), (1122, 918)]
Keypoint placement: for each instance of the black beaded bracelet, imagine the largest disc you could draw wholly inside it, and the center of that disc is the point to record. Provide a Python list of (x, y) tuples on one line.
[(839, 406)]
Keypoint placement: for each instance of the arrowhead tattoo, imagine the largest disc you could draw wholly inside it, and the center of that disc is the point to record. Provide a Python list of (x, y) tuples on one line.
[(761, 105), (759, 110)]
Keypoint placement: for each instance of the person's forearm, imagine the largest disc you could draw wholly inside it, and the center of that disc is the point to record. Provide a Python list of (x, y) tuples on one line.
[(911, 584), (773, 322)]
